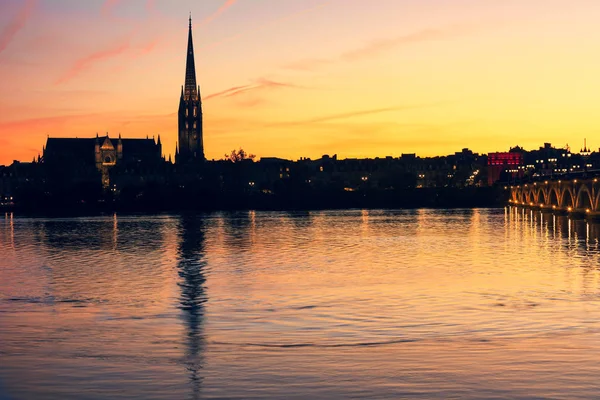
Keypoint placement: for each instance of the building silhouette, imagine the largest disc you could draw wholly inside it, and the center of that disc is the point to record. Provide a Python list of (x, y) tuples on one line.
[(77, 158), (190, 147)]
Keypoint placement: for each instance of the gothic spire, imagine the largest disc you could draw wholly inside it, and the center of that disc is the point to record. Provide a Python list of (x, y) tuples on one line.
[(190, 66)]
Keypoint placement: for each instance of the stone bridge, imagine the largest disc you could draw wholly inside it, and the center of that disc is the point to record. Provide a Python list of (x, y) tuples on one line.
[(577, 197)]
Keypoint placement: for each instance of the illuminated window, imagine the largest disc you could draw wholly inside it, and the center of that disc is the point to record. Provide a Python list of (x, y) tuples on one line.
[(186, 125), (194, 125), (186, 112), (195, 111)]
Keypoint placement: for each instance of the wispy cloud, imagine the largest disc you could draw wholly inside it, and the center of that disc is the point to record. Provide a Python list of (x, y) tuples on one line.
[(259, 84), (383, 45), (149, 47), (151, 6), (220, 10), (227, 92), (352, 114), (44, 124), (108, 6), (270, 24), (14, 26), (380, 46), (86, 62)]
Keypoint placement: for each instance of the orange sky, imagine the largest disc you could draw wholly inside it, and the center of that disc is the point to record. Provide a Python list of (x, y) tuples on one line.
[(302, 78)]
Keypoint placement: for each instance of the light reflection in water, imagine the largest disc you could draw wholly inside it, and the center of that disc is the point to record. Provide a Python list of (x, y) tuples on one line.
[(377, 304), (191, 265)]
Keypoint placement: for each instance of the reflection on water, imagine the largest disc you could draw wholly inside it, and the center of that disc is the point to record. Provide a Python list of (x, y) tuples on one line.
[(333, 304), (191, 267)]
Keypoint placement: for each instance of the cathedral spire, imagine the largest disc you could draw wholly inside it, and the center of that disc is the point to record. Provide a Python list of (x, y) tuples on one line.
[(190, 147), (190, 66)]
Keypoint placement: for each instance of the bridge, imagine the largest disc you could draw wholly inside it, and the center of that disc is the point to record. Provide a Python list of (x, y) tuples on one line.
[(567, 195)]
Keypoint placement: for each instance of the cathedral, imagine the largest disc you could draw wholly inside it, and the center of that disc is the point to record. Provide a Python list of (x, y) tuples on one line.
[(190, 147), (86, 157), (82, 156)]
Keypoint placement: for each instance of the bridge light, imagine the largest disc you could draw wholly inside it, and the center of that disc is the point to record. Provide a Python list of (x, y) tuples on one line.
[(546, 182), (595, 179), (575, 181), (554, 207), (569, 209), (541, 206), (531, 204), (587, 210)]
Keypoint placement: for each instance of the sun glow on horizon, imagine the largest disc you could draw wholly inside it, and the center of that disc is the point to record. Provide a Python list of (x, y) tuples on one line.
[(303, 78)]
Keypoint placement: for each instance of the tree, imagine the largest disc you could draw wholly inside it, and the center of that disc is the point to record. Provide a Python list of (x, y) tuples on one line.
[(239, 155)]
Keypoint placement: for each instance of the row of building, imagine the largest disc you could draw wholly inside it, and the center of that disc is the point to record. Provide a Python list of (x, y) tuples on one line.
[(91, 168)]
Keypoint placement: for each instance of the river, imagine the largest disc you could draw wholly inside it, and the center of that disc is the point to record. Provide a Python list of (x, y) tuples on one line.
[(474, 304)]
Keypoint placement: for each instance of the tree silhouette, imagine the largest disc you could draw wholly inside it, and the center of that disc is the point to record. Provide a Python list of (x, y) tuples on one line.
[(239, 155)]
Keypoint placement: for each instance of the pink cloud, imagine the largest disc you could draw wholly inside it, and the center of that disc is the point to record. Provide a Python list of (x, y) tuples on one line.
[(380, 46), (260, 84), (108, 6), (268, 24), (86, 62), (352, 114), (224, 93), (7, 35), (151, 6), (149, 47), (220, 10)]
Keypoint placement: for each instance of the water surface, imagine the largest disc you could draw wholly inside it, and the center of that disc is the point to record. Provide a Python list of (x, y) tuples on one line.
[(334, 304)]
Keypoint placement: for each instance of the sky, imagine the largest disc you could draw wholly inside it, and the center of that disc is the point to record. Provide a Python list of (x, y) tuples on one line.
[(303, 78)]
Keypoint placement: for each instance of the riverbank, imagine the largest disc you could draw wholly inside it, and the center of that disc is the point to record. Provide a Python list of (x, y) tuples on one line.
[(206, 201)]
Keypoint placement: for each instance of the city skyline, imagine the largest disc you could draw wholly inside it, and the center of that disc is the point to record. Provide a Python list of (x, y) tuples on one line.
[(403, 77)]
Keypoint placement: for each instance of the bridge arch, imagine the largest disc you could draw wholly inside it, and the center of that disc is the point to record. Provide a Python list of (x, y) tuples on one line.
[(584, 198), (568, 198), (555, 197), (542, 197), (534, 195), (519, 195), (527, 198)]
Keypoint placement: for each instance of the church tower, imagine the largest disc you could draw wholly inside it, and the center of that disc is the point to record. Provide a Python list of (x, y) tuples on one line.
[(190, 147)]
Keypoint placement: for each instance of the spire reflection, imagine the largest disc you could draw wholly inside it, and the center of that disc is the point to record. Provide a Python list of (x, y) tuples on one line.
[(191, 265)]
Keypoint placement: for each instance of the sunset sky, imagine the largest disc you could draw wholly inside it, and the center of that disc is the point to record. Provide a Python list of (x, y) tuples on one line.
[(302, 78)]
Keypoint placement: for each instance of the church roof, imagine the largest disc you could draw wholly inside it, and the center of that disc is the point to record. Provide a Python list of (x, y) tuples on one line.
[(139, 149), (81, 151)]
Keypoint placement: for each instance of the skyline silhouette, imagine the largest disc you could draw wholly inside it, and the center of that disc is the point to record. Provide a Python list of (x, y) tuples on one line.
[(404, 77)]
